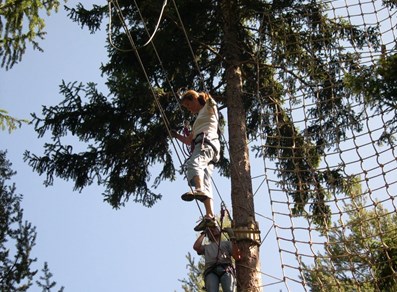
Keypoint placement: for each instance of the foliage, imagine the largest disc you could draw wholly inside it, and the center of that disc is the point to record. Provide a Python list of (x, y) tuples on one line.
[(17, 238), (283, 48), (390, 3), (15, 262), (14, 35), (378, 86), (9, 122), (361, 256), (195, 281), (46, 282), (20, 23)]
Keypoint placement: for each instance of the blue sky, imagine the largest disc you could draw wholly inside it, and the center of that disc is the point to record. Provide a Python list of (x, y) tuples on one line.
[(89, 246)]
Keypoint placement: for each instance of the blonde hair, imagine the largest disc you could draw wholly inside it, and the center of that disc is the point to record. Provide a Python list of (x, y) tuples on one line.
[(191, 94)]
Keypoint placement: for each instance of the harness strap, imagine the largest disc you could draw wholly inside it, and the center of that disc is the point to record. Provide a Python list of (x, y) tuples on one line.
[(204, 140), (227, 268)]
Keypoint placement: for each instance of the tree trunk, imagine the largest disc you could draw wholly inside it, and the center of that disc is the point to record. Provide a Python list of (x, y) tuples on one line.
[(248, 275)]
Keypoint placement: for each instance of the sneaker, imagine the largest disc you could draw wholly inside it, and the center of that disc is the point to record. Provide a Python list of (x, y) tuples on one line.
[(204, 223), (198, 195)]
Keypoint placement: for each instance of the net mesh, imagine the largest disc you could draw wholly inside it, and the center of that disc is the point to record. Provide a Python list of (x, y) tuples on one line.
[(357, 251)]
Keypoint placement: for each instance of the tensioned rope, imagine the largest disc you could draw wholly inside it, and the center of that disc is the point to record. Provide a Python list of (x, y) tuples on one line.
[(222, 137), (298, 251), (223, 205), (194, 58), (134, 47), (226, 143), (358, 251), (203, 82), (301, 249)]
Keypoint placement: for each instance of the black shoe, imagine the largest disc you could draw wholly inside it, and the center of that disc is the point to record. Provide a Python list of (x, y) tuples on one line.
[(198, 195)]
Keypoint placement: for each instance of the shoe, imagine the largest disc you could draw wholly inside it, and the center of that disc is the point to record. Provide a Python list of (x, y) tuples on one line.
[(197, 195), (200, 195), (204, 223)]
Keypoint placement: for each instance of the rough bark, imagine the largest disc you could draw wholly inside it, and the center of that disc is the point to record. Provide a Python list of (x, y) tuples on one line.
[(248, 276)]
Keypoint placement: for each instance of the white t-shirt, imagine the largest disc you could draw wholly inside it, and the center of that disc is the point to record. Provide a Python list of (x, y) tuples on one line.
[(207, 121)]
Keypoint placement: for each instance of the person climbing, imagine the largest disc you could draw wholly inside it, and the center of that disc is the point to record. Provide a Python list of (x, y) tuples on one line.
[(218, 254), (205, 143)]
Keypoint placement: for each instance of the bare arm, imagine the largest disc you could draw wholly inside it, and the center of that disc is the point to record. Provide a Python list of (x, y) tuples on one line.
[(198, 244)]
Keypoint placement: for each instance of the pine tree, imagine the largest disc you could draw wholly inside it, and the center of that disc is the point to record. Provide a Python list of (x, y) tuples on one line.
[(17, 239), (20, 23), (6, 121), (364, 260), (46, 282), (248, 55), (14, 36), (377, 85), (16, 273), (195, 280)]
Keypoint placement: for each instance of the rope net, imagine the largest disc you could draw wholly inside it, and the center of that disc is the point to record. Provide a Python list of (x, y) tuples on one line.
[(325, 180), (352, 244)]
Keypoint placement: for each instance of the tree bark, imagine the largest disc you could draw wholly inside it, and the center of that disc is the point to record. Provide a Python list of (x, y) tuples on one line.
[(248, 268)]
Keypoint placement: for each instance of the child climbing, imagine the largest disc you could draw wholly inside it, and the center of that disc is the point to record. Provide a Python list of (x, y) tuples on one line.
[(205, 143)]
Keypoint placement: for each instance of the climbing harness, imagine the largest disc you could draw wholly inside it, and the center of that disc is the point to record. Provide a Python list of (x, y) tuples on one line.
[(202, 139), (220, 269)]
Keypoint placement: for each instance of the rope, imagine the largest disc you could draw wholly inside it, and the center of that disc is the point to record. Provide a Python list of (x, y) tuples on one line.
[(299, 244), (198, 69), (158, 104), (150, 36), (191, 49), (158, 22), (359, 155), (110, 30)]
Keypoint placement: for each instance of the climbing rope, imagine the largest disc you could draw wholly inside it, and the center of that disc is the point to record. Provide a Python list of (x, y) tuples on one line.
[(299, 246)]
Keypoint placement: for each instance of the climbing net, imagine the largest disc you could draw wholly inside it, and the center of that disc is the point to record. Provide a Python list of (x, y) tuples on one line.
[(356, 250), (352, 243)]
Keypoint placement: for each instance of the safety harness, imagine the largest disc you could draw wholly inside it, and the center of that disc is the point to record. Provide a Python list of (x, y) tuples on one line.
[(202, 139), (221, 269)]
